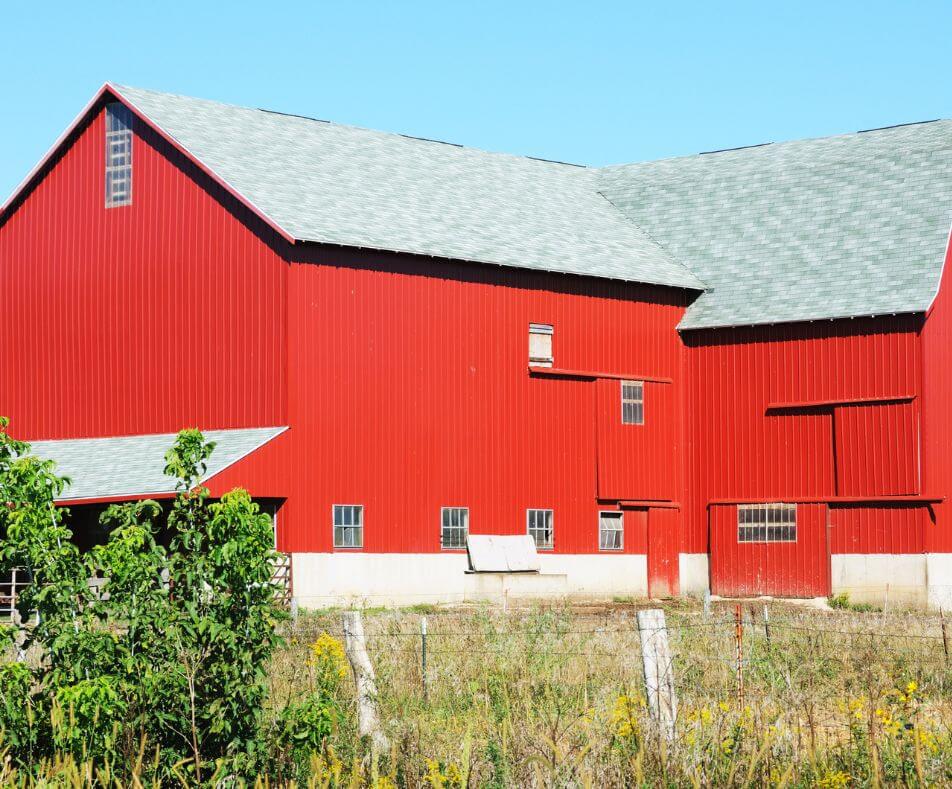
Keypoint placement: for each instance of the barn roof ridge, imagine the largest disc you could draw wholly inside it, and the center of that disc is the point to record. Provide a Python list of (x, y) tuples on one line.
[(387, 191), (843, 226)]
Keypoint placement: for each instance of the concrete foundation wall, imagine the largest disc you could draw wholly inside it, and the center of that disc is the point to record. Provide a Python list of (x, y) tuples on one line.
[(694, 569), (939, 576), (881, 578), (394, 579)]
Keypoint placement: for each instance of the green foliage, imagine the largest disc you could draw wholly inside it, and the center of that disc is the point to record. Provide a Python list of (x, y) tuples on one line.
[(169, 648), (841, 602)]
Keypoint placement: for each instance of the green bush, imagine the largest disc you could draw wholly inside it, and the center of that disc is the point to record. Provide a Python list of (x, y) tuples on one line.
[(173, 648)]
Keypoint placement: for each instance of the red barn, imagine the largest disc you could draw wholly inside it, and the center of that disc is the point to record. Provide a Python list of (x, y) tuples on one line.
[(726, 371)]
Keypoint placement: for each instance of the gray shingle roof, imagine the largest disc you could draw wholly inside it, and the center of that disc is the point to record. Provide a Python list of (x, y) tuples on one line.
[(834, 227), (133, 465), (330, 183)]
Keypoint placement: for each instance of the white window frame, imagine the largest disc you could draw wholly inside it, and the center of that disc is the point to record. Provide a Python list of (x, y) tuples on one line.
[(632, 401), (356, 524), (541, 330), (118, 178), (534, 530), (766, 523), (618, 516), (462, 528)]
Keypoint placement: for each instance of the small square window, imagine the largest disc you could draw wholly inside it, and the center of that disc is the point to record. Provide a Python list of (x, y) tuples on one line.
[(632, 402), (767, 523), (454, 527), (540, 528), (611, 531), (540, 345), (348, 526)]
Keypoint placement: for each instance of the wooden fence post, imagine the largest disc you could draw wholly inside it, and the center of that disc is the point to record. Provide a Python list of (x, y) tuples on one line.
[(767, 625), (945, 635), (368, 719), (659, 671), (739, 638), (423, 653)]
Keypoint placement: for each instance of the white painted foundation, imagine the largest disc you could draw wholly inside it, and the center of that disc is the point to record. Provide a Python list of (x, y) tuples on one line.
[(694, 569), (939, 578), (392, 579), (881, 579)]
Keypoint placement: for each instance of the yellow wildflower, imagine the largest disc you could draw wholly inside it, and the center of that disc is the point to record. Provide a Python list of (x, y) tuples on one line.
[(327, 652), (834, 779)]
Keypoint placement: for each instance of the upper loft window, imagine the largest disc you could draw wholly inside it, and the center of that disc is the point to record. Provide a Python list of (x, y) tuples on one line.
[(540, 345), (118, 155), (767, 523), (632, 402)]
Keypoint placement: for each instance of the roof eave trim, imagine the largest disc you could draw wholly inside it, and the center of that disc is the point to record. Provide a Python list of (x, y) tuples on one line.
[(790, 321), (700, 288), (110, 87), (942, 272), (54, 148), (164, 494)]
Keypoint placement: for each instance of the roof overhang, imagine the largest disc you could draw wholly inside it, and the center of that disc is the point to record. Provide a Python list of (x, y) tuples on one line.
[(125, 468)]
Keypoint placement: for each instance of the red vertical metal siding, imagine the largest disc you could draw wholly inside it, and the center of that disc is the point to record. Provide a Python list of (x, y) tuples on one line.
[(265, 472), (141, 319), (743, 450), (664, 537), (937, 420), (793, 569), (877, 449), (638, 462), (878, 528), (409, 391)]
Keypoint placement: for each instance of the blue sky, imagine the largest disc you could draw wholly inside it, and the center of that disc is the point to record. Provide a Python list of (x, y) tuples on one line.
[(587, 82)]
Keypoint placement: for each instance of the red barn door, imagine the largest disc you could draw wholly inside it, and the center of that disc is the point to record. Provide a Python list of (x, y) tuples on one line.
[(756, 555), (663, 547)]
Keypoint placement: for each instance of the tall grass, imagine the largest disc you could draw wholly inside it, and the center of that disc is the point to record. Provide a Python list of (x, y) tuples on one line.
[(554, 696)]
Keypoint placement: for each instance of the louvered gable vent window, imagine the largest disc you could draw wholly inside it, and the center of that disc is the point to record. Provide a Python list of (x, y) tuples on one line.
[(118, 156), (540, 345)]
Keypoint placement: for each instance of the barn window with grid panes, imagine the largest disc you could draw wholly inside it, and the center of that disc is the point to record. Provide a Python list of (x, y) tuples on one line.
[(540, 528), (540, 345), (611, 531), (632, 402), (118, 156), (767, 523), (455, 527), (348, 526)]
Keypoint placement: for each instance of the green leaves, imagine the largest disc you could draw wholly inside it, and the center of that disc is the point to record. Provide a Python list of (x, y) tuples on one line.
[(138, 642)]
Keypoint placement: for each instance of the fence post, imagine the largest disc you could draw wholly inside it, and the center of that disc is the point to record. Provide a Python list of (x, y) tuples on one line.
[(423, 653), (707, 603), (767, 625), (368, 719), (945, 635), (659, 672), (739, 638)]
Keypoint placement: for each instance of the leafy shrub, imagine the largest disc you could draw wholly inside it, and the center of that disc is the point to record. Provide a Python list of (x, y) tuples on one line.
[(173, 647)]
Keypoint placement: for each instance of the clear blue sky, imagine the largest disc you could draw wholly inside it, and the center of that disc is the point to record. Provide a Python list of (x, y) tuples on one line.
[(587, 82)]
